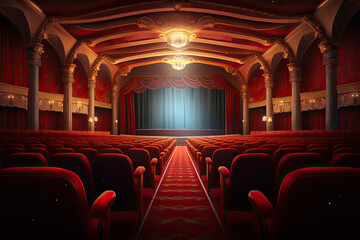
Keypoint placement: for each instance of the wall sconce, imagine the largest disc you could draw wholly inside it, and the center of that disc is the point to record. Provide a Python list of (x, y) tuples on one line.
[(312, 102), (96, 119), (269, 119), (116, 121), (243, 121), (264, 118), (51, 104), (10, 99), (178, 39), (355, 97), (90, 120), (178, 63)]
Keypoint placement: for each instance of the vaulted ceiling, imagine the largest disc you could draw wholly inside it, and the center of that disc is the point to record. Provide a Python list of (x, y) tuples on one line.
[(135, 32)]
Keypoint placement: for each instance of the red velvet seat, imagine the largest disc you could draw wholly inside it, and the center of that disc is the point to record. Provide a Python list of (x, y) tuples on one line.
[(239, 147), (280, 152), (345, 150), (90, 154), (326, 152), (110, 150), (346, 160), (115, 171), (43, 151), (125, 147), (25, 159), (260, 150), (294, 161), (155, 153), (50, 203), (79, 164), (221, 157), (201, 156), (248, 171), (141, 157), (294, 145), (313, 203)]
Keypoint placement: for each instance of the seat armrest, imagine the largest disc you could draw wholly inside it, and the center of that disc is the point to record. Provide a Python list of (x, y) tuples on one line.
[(139, 171), (261, 204), (198, 157), (224, 172), (102, 204), (153, 161), (208, 160)]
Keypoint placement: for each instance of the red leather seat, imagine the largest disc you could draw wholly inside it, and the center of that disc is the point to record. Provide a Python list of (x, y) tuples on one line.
[(115, 171), (201, 156), (313, 203), (248, 171), (125, 147), (90, 154), (280, 152), (50, 203), (260, 150), (155, 153)]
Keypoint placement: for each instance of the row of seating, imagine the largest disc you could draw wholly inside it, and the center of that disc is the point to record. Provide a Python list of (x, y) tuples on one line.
[(259, 175), (120, 169)]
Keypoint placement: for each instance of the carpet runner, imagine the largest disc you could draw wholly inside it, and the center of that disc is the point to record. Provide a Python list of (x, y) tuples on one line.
[(181, 208)]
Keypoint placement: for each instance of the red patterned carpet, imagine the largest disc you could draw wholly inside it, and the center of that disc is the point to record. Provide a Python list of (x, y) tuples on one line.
[(181, 208)]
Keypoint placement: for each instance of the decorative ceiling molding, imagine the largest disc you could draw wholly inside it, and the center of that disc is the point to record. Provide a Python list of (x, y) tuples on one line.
[(176, 21), (40, 34), (287, 50)]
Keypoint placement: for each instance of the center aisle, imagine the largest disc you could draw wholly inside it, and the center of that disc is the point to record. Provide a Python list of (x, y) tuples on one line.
[(181, 208)]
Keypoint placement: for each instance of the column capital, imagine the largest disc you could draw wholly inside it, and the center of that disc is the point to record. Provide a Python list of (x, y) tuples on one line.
[(326, 46), (33, 54), (91, 83), (68, 73), (293, 67)]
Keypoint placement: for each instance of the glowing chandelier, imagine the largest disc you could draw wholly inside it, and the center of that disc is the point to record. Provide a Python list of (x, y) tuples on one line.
[(178, 63), (178, 39)]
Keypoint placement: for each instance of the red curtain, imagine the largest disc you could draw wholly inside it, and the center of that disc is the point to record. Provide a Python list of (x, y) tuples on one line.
[(80, 81), (50, 120), (12, 68), (50, 72), (104, 119), (139, 84), (256, 115), (79, 122), (313, 71), (102, 89), (282, 85), (349, 52), (350, 117), (282, 121), (12, 118), (257, 91), (313, 120)]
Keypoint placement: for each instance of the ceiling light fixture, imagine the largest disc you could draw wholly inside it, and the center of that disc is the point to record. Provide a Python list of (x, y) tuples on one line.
[(178, 63), (178, 39)]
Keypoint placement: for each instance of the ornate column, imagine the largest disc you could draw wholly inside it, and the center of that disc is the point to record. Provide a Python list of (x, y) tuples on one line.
[(68, 80), (269, 85), (91, 112), (33, 63), (295, 79), (246, 118), (114, 110), (331, 62)]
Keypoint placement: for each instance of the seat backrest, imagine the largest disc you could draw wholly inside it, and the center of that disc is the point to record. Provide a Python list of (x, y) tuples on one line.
[(90, 154), (260, 150), (42, 203), (345, 150), (321, 202), (141, 157), (154, 152), (280, 152), (221, 157), (25, 159), (294, 161), (294, 145), (249, 171), (207, 151), (346, 160), (125, 147), (79, 164), (110, 150), (326, 152), (43, 151), (112, 171)]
